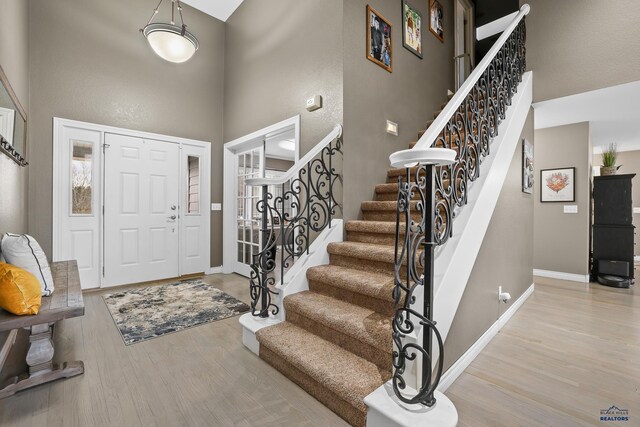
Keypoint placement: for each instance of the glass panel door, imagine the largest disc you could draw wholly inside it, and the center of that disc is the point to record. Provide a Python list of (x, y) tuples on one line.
[(249, 238)]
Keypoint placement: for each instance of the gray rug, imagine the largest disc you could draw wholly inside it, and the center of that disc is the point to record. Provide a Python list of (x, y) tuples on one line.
[(146, 313)]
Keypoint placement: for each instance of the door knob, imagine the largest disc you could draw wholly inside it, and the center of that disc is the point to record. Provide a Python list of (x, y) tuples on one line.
[(173, 217), (174, 207)]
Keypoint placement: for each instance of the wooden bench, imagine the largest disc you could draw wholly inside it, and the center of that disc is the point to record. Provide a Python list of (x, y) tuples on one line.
[(66, 302)]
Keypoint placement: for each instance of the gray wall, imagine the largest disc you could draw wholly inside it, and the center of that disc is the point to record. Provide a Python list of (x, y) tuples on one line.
[(574, 46), (409, 96), (630, 163), (14, 40), (278, 53), (90, 63), (561, 241), (505, 259)]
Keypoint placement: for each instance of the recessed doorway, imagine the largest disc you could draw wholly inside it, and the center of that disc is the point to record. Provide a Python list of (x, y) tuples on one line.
[(266, 153)]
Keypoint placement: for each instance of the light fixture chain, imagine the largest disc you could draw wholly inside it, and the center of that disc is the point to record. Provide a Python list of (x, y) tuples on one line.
[(155, 12), (181, 18)]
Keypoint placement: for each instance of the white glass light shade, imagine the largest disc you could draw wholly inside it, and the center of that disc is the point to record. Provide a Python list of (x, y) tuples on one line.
[(168, 42)]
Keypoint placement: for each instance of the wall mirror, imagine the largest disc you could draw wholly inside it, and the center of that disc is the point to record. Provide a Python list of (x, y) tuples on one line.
[(13, 123)]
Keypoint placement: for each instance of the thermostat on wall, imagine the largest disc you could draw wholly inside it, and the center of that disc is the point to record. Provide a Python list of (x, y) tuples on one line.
[(314, 103)]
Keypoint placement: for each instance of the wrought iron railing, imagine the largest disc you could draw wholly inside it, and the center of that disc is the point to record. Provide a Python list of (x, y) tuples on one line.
[(467, 125), (307, 200)]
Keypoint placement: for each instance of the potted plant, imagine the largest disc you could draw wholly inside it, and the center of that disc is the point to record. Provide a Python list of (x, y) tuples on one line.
[(609, 157)]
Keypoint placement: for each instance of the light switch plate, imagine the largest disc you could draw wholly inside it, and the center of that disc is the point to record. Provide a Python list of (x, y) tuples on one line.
[(571, 209), (392, 128), (216, 206)]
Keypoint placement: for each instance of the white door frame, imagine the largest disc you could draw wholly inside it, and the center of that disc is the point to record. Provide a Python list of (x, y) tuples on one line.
[(231, 148), (461, 57), (59, 242)]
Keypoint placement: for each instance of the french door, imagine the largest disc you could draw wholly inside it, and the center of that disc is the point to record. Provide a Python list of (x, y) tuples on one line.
[(249, 164), (141, 216)]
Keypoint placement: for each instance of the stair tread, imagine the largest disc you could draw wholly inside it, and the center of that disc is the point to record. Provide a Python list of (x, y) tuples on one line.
[(368, 251), (341, 372), (359, 323), (377, 227), (376, 285), (376, 205)]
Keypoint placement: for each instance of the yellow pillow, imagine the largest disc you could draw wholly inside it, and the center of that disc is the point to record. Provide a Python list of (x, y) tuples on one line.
[(20, 291)]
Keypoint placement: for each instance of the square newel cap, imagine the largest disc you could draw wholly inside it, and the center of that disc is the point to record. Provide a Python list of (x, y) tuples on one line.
[(422, 156)]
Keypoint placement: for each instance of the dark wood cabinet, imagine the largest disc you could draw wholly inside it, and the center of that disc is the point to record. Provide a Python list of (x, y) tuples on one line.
[(613, 230)]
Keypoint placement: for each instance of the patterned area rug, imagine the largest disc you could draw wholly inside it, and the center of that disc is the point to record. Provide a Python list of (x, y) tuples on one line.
[(146, 313)]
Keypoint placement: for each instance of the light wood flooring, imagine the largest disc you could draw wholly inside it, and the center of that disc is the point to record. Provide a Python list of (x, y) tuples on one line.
[(570, 351), (202, 376)]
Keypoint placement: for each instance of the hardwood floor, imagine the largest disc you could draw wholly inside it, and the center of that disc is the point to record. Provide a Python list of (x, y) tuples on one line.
[(203, 376), (570, 351)]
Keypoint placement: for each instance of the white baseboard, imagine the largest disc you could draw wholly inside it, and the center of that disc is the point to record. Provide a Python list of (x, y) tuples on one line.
[(582, 278), (465, 360), (214, 270)]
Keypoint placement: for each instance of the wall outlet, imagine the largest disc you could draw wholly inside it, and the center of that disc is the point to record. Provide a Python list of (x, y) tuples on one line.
[(571, 209), (216, 206)]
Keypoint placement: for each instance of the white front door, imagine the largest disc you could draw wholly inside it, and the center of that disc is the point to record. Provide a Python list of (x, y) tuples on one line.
[(141, 221)]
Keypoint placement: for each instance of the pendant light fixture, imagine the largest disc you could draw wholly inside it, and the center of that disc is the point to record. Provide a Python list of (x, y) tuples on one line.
[(171, 42)]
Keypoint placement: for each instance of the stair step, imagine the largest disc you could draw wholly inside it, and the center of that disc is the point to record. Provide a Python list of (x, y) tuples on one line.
[(362, 256), (389, 192), (366, 289), (336, 377), (386, 211), (359, 330), (373, 232)]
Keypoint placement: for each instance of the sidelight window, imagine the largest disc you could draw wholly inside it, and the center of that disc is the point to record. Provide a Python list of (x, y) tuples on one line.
[(81, 178)]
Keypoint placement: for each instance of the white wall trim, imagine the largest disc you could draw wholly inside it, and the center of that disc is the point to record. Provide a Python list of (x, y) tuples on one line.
[(465, 360), (494, 27), (582, 278), (6, 347), (214, 270)]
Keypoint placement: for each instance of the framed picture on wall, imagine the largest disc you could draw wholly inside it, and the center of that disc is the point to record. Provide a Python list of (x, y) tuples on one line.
[(379, 43), (411, 29), (527, 167), (558, 185), (436, 18)]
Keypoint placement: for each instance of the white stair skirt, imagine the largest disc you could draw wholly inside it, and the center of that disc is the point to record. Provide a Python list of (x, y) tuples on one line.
[(295, 280), (455, 260)]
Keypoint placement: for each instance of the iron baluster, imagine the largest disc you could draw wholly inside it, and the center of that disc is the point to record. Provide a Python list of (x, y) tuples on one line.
[(306, 204), (438, 191)]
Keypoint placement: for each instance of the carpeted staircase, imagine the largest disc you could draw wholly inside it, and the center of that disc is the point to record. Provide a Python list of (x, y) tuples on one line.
[(336, 340)]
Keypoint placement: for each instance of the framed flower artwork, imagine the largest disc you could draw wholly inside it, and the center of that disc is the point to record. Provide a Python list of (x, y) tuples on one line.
[(558, 185)]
